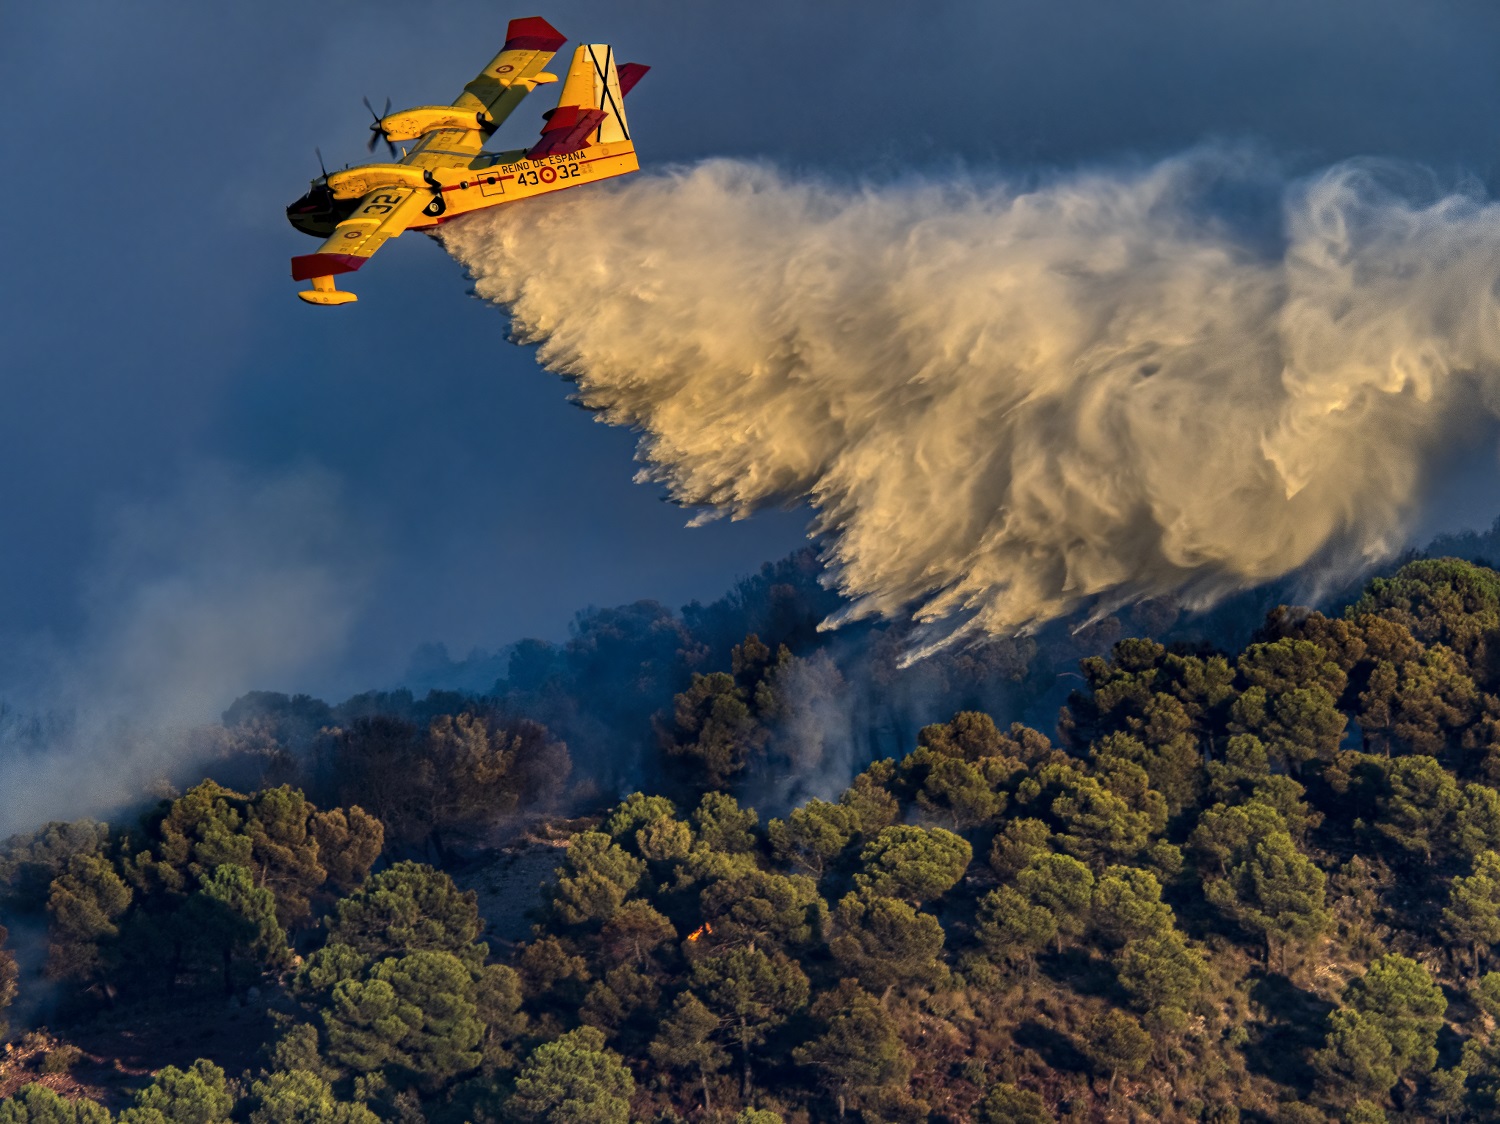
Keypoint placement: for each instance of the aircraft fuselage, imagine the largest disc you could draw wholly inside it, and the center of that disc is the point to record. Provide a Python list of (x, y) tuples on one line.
[(488, 180)]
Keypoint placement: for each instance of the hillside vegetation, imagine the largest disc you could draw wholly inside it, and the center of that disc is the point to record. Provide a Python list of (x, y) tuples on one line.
[(1259, 884)]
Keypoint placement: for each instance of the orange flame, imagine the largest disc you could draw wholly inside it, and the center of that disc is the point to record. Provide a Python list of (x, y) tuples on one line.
[(700, 931)]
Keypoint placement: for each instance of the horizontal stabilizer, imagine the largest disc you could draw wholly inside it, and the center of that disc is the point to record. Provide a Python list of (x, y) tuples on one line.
[(533, 34), (567, 131), (630, 73)]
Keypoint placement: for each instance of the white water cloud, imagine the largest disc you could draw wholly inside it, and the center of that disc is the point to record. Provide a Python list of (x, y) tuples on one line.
[(1004, 404)]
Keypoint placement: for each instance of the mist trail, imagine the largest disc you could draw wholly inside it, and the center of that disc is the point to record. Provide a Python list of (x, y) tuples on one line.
[(1006, 405)]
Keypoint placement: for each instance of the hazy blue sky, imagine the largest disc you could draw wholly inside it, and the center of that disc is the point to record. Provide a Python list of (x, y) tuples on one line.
[(162, 387)]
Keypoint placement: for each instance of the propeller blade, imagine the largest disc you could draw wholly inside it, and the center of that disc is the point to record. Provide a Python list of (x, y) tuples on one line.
[(321, 167), (377, 131)]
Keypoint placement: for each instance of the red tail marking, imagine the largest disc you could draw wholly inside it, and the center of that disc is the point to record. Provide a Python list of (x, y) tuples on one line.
[(629, 74), (533, 34), (566, 131)]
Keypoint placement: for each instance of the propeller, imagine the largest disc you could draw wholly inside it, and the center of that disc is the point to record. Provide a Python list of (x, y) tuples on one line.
[(377, 134), (321, 166)]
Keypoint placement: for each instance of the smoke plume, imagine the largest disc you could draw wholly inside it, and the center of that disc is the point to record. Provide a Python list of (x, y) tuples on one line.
[(1008, 404), (198, 596)]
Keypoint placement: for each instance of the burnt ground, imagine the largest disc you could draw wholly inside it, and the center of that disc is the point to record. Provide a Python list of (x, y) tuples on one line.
[(122, 1047)]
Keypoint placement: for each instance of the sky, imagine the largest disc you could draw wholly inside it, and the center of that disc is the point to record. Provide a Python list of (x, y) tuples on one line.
[(203, 472)]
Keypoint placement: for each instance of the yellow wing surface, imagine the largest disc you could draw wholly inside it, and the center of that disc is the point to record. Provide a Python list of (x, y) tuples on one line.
[(383, 213)]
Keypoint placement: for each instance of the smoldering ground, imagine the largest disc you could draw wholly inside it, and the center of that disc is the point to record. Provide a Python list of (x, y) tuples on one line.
[(1010, 403)]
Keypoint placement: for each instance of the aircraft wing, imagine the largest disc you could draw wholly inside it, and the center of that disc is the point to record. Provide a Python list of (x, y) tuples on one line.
[(383, 213), (517, 70)]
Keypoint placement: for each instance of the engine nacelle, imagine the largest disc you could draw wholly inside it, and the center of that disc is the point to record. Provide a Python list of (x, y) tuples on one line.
[(409, 124), (356, 182)]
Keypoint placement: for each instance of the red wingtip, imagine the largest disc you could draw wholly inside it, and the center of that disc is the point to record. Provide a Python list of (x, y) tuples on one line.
[(324, 265), (629, 74), (533, 34)]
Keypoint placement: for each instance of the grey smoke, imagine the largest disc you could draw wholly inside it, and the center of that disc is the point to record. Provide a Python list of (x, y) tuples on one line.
[(224, 585), (1009, 403)]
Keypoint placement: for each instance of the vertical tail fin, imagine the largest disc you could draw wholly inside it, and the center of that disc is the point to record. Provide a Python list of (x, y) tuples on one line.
[(591, 109), (594, 83)]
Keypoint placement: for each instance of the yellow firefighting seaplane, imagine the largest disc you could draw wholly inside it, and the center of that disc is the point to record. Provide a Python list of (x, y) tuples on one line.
[(447, 173)]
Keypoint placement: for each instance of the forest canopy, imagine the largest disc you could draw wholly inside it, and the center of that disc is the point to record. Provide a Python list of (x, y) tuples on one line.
[(1254, 881)]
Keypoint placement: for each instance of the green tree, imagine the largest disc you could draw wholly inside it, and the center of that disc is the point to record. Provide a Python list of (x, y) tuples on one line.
[(415, 1014), (573, 1080), (597, 878), (686, 1042), (1421, 703), (886, 943), (1005, 1104), (1226, 834), (1355, 1060), (1162, 973), (1062, 886), (1420, 806), (300, 1097), (635, 812), (1114, 1043), (197, 1095), (30, 861), (83, 913), (1017, 844), (724, 826), (813, 835), (409, 907), (858, 1051), (1400, 995), (622, 1004), (1472, 916), (1244, 776), (760, 907), (752, 994), (634, 932), (1170, 757), (715, 729), (969, 736), (37, 1104), (1291, 700), (1275, 891), (1441, 601), (190, 836), (284, 851), (1012, 928), (870, 797), (914, 863), (231, 918), (1099, 824), (9, 972), (1127, 905)]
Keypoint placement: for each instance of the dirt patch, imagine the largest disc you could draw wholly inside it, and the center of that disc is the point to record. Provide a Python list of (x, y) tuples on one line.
[(509, 879)]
